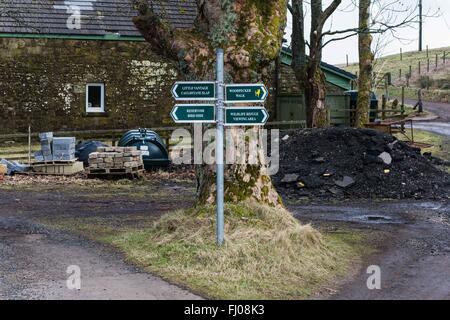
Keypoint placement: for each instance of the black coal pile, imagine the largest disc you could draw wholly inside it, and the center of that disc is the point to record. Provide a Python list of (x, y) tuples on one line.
[(351, 163)]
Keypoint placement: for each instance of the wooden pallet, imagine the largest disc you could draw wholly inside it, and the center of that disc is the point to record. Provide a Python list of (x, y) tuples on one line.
[(110, 173), (57, 168), (37, 163)]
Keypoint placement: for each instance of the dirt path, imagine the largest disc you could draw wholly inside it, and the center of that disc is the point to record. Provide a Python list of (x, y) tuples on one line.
[(441, 125), (413, 241), (413, 251), (34, 259)]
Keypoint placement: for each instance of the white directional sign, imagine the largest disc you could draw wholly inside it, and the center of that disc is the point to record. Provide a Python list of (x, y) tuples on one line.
[(246, 116), (194, 113), (200, 90), (245, 93)]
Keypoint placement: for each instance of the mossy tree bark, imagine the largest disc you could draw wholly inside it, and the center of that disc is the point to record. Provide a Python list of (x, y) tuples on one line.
[(366, 58), (308, 71), (251, 33)]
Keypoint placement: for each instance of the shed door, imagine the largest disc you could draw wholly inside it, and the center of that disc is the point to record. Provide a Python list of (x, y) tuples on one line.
[(339, 107), (291, 108)]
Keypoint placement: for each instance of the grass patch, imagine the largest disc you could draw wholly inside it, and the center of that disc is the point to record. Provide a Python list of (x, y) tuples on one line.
[(441, 144), (268, 254)]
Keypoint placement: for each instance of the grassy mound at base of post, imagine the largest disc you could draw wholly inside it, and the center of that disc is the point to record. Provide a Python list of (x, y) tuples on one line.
[(267, 253)]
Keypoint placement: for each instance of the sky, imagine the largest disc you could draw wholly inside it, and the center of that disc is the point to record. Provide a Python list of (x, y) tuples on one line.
[(436, 30)]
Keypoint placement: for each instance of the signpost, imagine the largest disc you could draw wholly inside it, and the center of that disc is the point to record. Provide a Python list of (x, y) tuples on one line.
[(246, 116), (246, 93), (194, 113), (230, 116), (200, 91)]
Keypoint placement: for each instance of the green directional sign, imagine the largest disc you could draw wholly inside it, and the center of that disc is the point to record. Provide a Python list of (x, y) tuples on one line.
[(193, 113), (203, 91), (242, 93), (246, 116)]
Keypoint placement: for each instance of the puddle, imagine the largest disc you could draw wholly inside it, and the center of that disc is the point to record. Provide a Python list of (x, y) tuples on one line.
[(373, 213), (357, 216), (375, 219)]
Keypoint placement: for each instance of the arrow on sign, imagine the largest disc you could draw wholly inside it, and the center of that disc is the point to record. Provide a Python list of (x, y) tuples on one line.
[(240, 93), (246, 116), (204, 91), (193, 113)]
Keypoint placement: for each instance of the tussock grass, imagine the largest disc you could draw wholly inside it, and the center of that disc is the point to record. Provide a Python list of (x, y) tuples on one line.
[(268, 254)]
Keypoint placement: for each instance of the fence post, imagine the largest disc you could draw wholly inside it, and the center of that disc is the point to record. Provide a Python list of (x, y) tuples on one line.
[(383, 107), (419, 68), (400, 74), (29, 144), (347, 59), (403, 101), (428, 65), (401, 54), (427, 52)]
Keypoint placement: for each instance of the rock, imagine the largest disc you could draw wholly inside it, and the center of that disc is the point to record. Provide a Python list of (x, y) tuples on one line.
[(375, 151), (312, 181), (392, 144), (290, 178), (386, 157), (3, 169), (319, 160), (370, 159), (334, 190), (345, 182)]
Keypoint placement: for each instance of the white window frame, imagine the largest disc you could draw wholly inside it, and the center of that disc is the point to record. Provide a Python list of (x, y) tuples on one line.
[(102, 98)]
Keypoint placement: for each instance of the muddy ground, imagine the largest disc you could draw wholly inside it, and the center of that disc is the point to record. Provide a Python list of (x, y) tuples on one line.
[(34, 257), (412, 239)]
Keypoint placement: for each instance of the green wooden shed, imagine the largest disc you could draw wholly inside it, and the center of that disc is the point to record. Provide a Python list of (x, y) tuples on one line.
[(290, 103)]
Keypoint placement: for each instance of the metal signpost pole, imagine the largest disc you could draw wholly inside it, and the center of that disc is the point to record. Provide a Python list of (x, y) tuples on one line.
[(222, 94), (219, 145)]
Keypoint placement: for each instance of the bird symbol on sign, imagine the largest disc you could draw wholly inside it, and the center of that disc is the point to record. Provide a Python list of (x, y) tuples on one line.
[(258, 93)]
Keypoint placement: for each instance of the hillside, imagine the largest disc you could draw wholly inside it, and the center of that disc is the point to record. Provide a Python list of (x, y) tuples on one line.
[(436, 79)]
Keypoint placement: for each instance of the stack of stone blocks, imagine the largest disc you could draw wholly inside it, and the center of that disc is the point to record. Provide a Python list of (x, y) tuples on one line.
[(64, 149), (116, 159), (55, 149)]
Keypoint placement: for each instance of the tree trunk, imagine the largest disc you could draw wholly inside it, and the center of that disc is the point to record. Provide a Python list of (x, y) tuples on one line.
[(315, 96), (365, 65), (251, 33), (311, 77)]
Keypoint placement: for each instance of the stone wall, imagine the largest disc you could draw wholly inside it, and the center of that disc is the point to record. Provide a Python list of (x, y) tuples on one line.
[(288, 84), (43, 83)]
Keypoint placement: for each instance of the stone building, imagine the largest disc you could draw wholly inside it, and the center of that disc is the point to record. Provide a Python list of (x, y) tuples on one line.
[(77, 65), (83, 65)]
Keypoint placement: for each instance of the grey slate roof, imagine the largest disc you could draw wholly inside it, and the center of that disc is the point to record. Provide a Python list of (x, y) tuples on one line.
[(98, 17)]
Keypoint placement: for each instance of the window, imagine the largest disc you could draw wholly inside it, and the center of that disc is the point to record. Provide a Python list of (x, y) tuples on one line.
[(95, 97)]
